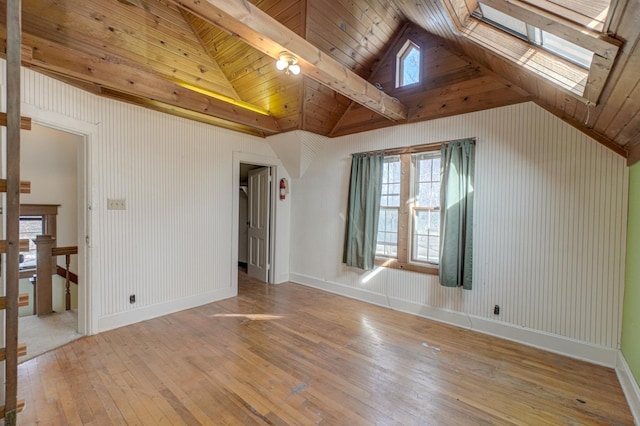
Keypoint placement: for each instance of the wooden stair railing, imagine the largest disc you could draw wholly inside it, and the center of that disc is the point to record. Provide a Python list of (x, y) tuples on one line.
[(66, 252), (44, 266)]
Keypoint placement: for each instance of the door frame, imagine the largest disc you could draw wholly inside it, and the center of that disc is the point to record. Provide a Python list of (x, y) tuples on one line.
[(273, 164), (87, 302)]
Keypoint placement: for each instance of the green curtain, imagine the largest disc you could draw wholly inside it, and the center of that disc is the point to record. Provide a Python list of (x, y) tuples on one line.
[(456, 210), (363, 210)]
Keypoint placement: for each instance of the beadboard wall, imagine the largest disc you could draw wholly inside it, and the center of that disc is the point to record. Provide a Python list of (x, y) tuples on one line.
[(549, 232), (172, 246)]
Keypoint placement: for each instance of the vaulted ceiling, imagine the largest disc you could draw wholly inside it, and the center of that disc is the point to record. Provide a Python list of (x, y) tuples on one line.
[(213, 61)]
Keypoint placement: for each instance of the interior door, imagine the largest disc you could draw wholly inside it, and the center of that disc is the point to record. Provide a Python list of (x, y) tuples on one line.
[(258, 217)]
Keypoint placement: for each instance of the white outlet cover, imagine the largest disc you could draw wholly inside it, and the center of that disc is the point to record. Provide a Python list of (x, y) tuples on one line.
[(116, 204)]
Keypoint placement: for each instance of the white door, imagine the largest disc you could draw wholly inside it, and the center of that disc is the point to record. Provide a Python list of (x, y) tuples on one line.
[(258, 233)]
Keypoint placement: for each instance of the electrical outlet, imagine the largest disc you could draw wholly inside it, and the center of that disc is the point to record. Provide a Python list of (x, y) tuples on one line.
[(132, 298), (116, 204), (496, 310)]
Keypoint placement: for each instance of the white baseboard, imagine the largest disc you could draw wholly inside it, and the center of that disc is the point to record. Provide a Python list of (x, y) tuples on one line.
[(121, 319), (595, 354), (629, 386), (282, 278)]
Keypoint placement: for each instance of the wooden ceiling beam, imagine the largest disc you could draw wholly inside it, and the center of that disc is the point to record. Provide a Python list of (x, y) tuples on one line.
[(132, 79), (259, 30), (634, 153)]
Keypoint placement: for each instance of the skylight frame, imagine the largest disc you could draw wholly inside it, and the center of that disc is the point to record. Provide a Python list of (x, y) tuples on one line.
[(407, 47), (584, 85), (534, 35)]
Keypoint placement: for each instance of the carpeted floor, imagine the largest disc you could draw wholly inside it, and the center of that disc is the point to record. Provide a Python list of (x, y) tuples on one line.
[(41, 334)]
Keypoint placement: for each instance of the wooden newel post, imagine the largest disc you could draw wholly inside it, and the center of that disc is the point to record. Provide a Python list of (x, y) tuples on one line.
[(44, 263)]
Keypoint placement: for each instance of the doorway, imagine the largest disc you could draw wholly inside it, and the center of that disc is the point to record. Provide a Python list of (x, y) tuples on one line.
[(255, 219), (52, 161)]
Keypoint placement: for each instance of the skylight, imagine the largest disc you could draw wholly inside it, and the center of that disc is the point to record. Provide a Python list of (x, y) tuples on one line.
[(561, 42), (535, 35)]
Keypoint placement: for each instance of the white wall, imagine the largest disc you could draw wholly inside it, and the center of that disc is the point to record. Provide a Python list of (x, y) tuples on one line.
[(49, 161), (172, 245), (549, 232)]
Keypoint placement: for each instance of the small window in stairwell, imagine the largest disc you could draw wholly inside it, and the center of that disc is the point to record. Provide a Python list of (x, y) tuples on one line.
[(35, 219), (408, 69), (30, 227)]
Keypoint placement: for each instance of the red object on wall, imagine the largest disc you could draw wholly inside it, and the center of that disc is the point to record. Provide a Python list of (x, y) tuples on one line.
[(283, 189)]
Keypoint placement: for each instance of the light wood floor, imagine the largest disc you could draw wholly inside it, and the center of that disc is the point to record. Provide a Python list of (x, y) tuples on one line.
[(288, 354)]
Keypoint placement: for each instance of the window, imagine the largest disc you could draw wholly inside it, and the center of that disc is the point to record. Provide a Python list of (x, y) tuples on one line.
[(426, 208), (409, 221), (408, 67), (560, 42), (35, 219), (387, 241), (30, 227), (535, 35)]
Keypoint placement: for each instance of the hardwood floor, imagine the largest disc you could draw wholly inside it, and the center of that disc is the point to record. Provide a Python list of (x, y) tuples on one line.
[(289, 354)]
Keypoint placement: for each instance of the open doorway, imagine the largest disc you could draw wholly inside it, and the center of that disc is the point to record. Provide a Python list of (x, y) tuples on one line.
[(255, 221), (53, 161)]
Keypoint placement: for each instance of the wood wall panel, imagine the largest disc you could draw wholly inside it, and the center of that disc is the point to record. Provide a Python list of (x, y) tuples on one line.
[(355, 33), (252, 74), (549, 225), (159, 40), (452, 84)]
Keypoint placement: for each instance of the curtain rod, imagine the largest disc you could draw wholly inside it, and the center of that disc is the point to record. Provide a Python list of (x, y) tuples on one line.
[(414, 148)]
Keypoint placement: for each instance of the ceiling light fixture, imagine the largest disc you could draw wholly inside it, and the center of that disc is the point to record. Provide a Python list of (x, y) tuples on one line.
[(288, 63)]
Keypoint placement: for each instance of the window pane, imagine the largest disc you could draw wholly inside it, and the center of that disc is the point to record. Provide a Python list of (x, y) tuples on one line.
[(408, 64), (420, 248), (394, 169), (424, 168), (434, 223), (427, 183), (30, 227), (411, 67), (391, 221), (421, 222), (426, 208), (387, 239), (435, 169), (567, 50), (434, 249), (504, 20)]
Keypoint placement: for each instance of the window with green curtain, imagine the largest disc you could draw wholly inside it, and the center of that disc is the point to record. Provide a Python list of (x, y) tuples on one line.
[(363, 209), (456, 221)]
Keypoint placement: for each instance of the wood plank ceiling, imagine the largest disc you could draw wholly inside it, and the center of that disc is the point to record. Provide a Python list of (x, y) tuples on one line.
[(168, 55)]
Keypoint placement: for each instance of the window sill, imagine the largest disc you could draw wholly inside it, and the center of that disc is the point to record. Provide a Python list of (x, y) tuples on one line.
[(395, 264), (27, 273)]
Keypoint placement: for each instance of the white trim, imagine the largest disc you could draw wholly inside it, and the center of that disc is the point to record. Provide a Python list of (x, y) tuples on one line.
[(87, 303), (629, 386), (273, 163), (122, 319), (550, 342)]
